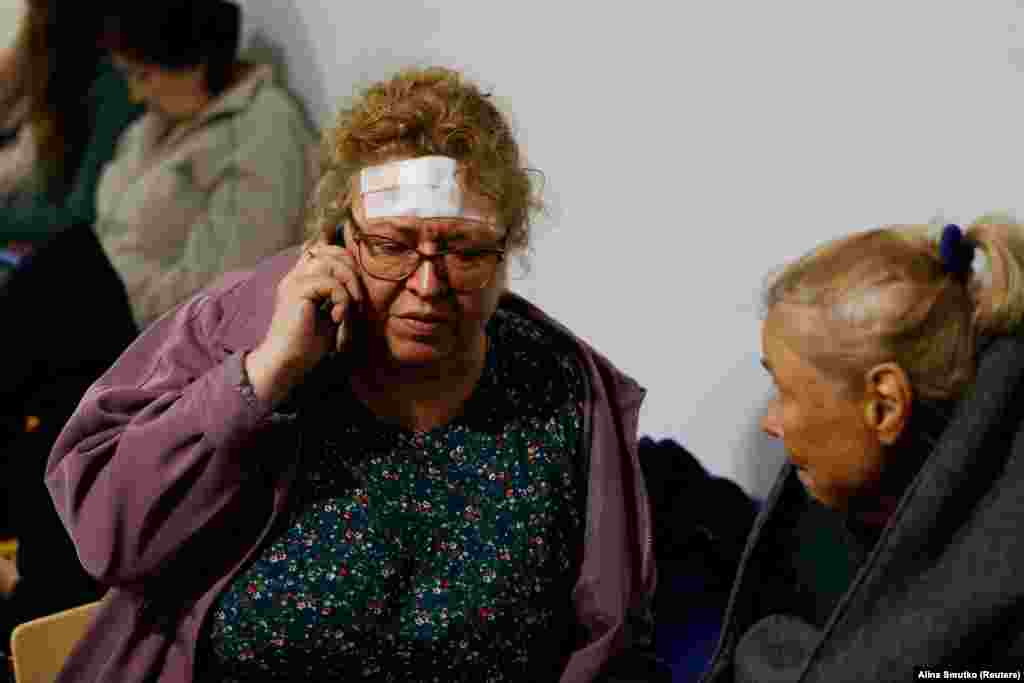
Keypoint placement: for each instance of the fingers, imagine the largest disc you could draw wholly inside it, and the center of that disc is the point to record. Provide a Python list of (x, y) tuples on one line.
[(323, 278), (335, 262), (326, 295), (325, 291)]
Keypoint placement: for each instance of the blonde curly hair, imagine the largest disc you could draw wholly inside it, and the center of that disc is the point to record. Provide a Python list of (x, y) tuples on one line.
[(419, 112)]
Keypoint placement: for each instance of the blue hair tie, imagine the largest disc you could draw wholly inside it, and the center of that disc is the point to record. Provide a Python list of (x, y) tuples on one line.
[(956, 252)]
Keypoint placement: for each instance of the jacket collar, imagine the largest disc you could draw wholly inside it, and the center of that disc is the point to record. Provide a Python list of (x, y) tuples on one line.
[(238, 98)]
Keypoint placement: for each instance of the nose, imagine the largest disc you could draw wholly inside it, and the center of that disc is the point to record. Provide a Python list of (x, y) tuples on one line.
[(424, 281), (771, 423)]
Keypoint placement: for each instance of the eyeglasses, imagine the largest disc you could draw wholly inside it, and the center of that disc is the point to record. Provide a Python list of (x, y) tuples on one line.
[(467, 269)]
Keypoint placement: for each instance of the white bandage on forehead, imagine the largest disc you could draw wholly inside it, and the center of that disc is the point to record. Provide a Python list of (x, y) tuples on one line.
[(425, 187)]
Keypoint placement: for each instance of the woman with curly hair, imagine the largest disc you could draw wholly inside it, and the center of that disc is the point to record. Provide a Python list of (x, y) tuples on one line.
[(366, 459)]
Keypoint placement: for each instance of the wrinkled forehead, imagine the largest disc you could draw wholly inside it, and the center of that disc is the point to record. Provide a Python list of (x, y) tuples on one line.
[(807, 336), (423, 191), (798, 328)]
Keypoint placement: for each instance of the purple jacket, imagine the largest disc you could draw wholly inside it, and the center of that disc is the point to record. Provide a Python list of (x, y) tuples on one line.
[(168, 478)]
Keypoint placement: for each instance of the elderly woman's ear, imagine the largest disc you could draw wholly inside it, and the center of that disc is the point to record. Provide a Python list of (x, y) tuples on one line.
[(888, 397)]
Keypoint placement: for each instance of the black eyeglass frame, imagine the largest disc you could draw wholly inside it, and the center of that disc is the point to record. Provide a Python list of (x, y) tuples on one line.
[(361, 235)]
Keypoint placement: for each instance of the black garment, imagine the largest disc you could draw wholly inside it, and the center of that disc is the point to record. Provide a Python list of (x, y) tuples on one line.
[(64, 312), (938, 588), (52, 578), (701, 522), (809, 556), (700, 526), (806, 558), (65, 320)]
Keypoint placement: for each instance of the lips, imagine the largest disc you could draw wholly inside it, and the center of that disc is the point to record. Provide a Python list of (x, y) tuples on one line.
[(425, 318), (423, 324)]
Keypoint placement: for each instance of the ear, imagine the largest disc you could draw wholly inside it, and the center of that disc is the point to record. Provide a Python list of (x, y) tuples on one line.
[(889, 396)]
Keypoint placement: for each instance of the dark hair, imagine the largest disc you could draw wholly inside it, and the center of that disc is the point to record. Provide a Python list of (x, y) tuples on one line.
[(178, 34), (58, 64)]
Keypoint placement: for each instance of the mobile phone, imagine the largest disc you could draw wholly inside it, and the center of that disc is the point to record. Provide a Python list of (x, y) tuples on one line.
[(344, 331)]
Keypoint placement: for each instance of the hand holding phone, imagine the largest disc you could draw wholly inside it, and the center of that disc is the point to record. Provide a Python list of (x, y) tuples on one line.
[(312, 316)]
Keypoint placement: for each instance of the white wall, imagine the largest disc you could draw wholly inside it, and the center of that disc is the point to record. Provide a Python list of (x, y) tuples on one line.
[(691, 147)]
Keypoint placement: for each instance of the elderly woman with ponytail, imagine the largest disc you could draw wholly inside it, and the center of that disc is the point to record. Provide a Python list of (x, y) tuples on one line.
[(891, 542)]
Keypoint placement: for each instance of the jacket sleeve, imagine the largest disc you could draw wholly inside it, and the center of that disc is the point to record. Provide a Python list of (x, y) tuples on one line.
[(253, 210), (37, 220), (156, 449), (618, 575)]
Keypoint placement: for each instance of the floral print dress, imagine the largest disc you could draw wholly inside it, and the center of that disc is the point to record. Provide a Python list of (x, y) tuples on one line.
[(445, 555)]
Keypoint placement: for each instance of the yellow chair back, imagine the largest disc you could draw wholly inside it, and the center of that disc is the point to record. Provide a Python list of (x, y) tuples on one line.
[(39, 647)]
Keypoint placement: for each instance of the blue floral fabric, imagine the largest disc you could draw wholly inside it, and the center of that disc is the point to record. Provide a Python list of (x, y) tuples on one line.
[(444, 555)]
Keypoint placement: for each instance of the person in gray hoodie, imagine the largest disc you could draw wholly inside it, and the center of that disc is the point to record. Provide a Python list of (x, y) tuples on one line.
[(890, 547), (365, 458)]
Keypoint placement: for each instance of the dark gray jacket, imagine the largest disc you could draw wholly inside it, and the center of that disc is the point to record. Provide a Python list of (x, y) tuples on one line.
[(943, 587)]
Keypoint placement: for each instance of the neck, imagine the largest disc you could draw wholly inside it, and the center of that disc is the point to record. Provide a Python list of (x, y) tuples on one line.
[(876, 514), (419, 398), (189, 106), (197, 98), (903, 463)]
